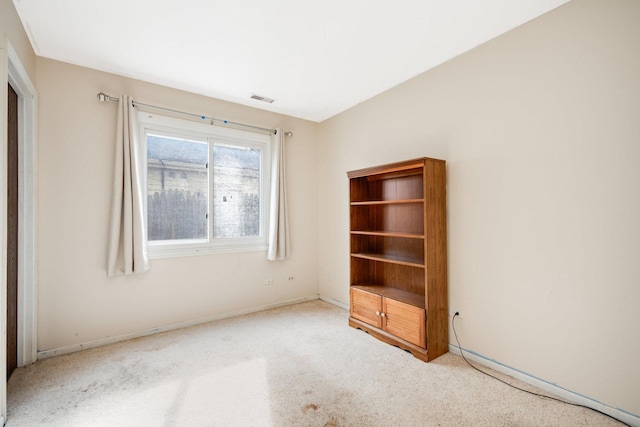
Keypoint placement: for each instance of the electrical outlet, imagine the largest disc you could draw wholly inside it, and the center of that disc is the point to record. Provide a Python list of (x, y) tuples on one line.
[(453, 312), (268, 282), (290, 278)]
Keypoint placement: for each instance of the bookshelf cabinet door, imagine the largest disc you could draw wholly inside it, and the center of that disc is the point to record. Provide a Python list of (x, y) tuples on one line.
[(404, 321), (366, 307)]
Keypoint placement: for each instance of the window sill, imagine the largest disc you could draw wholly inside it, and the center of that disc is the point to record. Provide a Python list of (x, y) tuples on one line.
[(160, 252)]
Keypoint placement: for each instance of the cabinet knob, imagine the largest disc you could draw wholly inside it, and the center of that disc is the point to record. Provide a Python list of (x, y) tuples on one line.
[(382, 314), (377, 313)]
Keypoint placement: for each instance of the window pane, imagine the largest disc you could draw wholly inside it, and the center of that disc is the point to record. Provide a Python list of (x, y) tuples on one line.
[(177, 183), (236, 191)]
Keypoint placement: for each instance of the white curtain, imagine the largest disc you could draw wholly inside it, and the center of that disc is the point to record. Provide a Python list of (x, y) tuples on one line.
[(127, 248), (279, 245)]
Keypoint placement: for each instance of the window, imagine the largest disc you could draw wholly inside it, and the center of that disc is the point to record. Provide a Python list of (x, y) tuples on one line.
[(206, 187)]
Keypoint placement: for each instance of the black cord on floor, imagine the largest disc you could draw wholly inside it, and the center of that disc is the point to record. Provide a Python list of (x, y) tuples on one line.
[(453, 324)]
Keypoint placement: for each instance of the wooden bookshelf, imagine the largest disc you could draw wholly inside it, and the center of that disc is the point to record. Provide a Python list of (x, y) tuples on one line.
[(398, 255)]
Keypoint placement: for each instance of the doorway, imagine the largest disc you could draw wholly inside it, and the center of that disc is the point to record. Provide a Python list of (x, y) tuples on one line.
[(12, 231), (26, 248)]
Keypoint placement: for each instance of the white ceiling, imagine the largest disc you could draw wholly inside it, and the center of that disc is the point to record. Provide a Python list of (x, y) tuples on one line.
[(315, 58)]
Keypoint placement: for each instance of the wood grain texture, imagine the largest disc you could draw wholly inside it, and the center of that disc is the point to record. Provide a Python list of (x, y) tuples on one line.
[(390, 170), (436, 259), (406, 297), (404, 321), (399, 253), (366, 306)]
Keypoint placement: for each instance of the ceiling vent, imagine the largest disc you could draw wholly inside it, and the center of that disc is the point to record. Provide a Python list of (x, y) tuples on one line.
[(262, 98)]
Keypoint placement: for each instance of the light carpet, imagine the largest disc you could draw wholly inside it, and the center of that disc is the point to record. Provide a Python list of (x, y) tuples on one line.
[(299, 365)]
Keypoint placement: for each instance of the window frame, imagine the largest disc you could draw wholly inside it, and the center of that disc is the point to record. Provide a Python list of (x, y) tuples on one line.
[(151, 123)]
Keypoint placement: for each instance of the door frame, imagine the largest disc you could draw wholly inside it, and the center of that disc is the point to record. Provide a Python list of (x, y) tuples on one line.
[(27, 111), (13, 72)]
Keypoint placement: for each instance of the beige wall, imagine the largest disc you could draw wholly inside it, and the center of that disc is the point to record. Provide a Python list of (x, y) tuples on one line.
[(540, 130), (77, 302)]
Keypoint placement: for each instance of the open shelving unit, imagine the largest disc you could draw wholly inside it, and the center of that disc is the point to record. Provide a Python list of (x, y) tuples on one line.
[(398, 255)]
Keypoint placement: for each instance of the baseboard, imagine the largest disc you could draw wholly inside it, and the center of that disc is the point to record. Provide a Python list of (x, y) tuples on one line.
[(561, 392), (335, 302), (44, 354)]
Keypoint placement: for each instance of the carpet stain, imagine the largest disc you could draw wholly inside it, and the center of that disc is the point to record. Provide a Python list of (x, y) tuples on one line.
[(309, 406)]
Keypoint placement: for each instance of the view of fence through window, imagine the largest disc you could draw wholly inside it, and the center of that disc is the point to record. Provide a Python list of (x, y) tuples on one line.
[(178, 190), (236, 191)]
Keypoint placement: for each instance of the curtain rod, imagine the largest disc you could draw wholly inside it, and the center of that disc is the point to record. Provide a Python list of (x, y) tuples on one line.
[(103, 97)]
